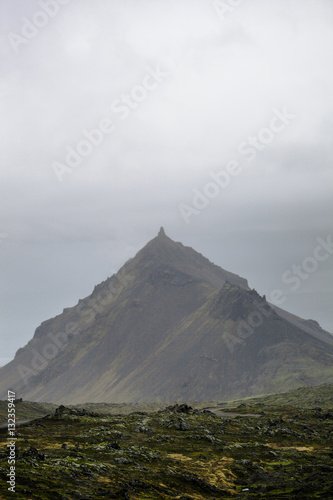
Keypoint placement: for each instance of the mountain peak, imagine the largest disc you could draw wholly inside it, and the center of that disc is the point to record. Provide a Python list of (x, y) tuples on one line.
[(161, 232)]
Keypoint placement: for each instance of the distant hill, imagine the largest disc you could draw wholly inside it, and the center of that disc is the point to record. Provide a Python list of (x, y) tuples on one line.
[(169, 326), (303, 397)]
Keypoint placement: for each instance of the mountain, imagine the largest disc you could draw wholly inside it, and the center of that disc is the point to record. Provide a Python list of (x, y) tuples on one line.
[(169, 326)]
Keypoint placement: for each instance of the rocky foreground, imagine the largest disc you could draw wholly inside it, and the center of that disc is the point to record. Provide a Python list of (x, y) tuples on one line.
[(178, 452)]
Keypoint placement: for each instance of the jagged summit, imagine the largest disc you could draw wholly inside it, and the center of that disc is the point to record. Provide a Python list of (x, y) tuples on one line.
[(161, 232), (164, 251)]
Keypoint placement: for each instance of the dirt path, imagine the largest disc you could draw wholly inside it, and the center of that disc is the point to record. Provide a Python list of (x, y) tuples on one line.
[(228, 414)]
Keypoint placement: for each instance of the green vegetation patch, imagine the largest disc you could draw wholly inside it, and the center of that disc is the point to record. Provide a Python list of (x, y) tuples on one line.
[(177, 452)]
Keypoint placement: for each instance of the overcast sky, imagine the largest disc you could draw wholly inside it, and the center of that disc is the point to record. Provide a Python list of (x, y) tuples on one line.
[(182, 90)]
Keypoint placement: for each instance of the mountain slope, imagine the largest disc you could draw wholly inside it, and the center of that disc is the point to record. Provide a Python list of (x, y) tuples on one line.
[(170, 325), (209, 357)]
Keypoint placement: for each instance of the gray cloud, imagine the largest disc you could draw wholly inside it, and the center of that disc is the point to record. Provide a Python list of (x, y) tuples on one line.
[(224, 79)]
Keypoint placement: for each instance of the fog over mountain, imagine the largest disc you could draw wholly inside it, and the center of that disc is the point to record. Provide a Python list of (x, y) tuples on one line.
[(118, 117)]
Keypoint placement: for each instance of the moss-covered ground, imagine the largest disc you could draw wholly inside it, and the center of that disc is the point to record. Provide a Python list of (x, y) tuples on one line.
[(174, 453)]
